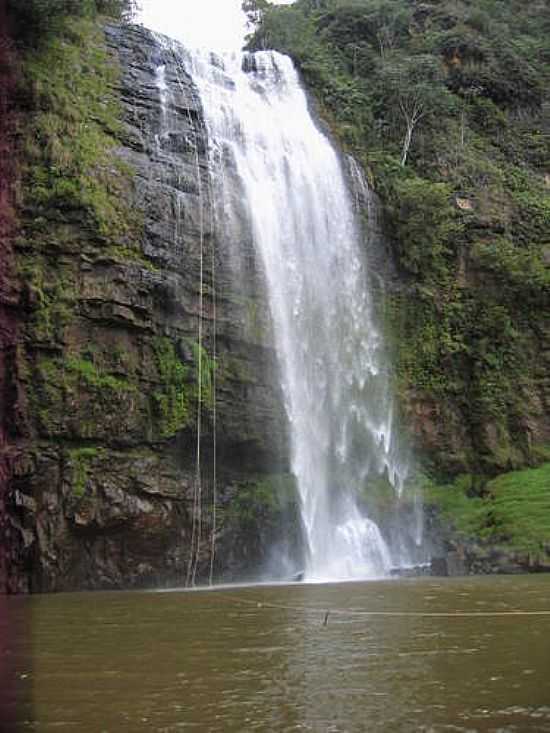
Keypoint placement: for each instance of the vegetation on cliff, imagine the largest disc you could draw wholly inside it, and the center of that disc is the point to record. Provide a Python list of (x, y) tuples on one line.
[(446, 106), (34, 22), (74, 207), (105, 292), (512, 511), (73, 204)]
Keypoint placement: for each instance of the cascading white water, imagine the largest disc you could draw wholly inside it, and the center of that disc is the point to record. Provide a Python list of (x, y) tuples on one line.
[(330, 350)]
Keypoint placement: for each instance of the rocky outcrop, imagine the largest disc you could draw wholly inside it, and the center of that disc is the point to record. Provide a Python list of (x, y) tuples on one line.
[(478, 558), (105, 491)]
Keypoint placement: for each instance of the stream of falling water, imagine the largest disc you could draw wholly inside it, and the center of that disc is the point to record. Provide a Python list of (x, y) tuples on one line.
[(331, 355)]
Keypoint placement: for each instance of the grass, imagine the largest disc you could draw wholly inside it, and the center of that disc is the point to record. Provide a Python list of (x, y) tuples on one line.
[(89, 373), (80, 459), (520, 504), (512, 510)]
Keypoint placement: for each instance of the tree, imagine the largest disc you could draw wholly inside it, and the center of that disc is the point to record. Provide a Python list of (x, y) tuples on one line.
[(254, 10), (380, 23), (35, 21), (280, 26), (391, 23), (425, 224), (414, 90)]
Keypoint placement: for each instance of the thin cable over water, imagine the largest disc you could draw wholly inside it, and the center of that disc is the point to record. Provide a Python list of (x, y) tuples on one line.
[(397, 614)]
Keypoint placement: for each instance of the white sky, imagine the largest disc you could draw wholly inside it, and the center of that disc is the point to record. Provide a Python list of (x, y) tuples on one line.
[(219, 25)]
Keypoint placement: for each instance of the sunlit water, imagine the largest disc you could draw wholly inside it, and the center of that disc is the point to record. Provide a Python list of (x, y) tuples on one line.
[(333, 370), (261, 659)]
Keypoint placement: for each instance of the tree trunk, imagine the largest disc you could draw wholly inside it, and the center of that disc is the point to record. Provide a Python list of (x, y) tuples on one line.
[(407, 143)]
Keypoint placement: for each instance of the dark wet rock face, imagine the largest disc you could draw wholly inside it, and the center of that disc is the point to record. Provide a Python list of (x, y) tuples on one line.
[(9, 536), (105, 484)]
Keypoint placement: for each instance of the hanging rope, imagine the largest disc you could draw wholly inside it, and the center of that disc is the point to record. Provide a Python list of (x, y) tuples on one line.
[(198, 478), (196, 525), (179, 77), (197, 519), (214, 384)]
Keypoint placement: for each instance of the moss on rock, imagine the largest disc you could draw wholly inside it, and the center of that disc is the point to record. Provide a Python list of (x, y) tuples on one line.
[(511, 511)]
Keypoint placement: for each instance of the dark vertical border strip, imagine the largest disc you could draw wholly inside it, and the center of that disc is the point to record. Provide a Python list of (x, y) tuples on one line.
[(8, 291), (9, 638), (14, 628)]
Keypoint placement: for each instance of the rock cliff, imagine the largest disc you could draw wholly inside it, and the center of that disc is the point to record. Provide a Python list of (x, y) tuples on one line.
[(105, 491)]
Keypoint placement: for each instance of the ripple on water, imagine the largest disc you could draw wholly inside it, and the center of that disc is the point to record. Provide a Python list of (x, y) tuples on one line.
[(218, 662)]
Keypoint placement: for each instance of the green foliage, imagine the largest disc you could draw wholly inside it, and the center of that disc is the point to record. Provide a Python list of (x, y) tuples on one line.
[(425, 225), (171, 398), (520, 506), (512, 510), (78, 394), (460, 505), (428, 345), (35, 21), (376, 27), (412, 91), (208, 367), (72, 120), (286, 29), (47, 394), (176, 398), (89, 374), (541, 453), (520, 271), (80, 459), (68, 131), (50, 295)]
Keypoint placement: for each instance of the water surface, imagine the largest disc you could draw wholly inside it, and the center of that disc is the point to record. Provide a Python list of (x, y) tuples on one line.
[(261, 658)]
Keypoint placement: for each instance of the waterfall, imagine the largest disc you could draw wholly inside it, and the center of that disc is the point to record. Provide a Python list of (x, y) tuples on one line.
[(332, 363)]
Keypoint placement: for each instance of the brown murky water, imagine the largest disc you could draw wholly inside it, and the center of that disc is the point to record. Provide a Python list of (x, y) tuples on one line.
[(407, 655)]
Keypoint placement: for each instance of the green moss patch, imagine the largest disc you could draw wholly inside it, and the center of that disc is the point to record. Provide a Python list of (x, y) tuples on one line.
[(91, 375), (177, 395), (512, 510), (72, 128), (520, 507), (171, 398), (81, 459)]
